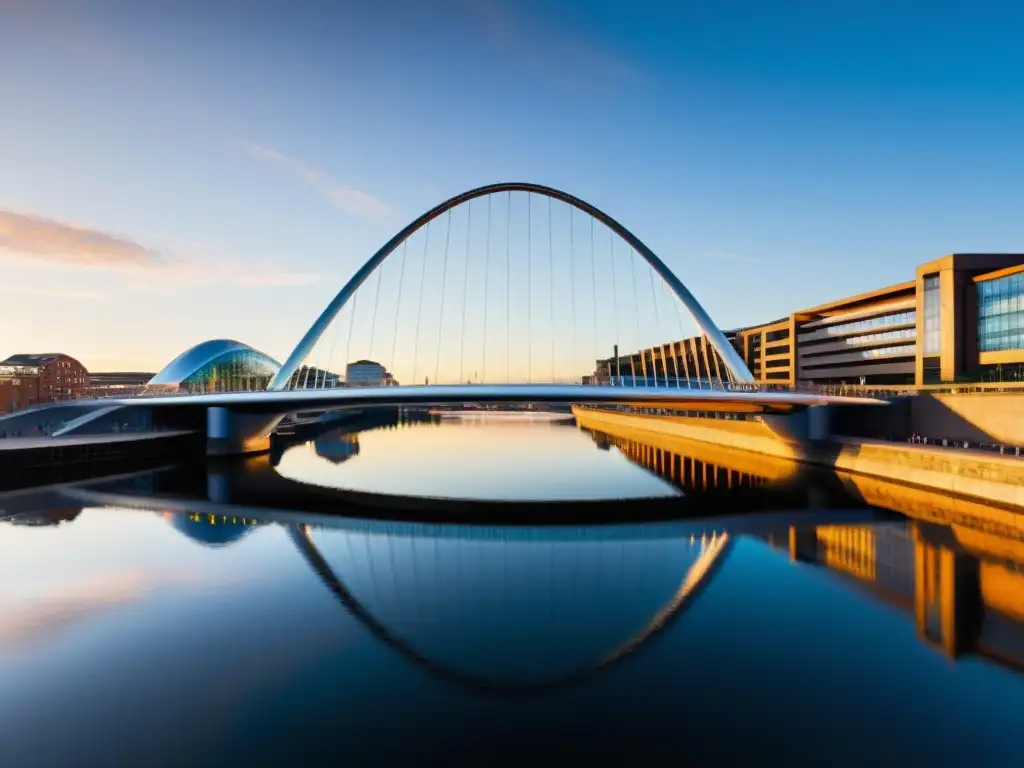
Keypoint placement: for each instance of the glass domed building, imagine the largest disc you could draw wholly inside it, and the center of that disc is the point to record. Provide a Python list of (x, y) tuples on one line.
[(218, 365)]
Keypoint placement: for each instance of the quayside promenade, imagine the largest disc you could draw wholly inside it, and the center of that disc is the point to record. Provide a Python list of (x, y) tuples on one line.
[(962, 472)]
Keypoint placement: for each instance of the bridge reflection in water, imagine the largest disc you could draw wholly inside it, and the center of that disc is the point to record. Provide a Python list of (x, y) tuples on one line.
[(512, 611), (953, 567), (439, 594)]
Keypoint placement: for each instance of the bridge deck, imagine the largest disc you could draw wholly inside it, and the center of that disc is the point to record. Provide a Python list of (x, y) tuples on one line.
[(682, 399)]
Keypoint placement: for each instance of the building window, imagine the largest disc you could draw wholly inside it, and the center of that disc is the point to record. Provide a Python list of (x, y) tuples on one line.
[(932, 316), (1001, 313)]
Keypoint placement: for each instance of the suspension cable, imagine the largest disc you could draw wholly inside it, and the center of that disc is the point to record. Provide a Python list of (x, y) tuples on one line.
[(334, 341), (419, 309), (465, 289), (572, 282), (682, 340), (636, 315), (487, 270), (615, 297), (444, 280), (351, 325), (376, 301), (398, 304), (657, 325), (305, 380), (508, 282), (593, 285), (675, 356), (529, 286), (551, 291)]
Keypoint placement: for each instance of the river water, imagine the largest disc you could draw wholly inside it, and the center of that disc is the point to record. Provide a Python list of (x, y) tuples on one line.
[(279, 613)]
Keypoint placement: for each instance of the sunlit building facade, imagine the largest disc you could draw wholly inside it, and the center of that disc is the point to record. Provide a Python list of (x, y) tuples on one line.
[(961, 319), (219, 365), (31, 379)]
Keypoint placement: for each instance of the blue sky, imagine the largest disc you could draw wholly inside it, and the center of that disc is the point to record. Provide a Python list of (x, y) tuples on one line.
[(175, 172)]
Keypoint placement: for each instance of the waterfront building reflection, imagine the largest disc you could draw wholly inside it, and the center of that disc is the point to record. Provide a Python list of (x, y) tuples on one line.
[(963, 588)]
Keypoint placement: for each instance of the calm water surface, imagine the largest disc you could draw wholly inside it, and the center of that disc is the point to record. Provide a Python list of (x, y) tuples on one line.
[(142, 627)]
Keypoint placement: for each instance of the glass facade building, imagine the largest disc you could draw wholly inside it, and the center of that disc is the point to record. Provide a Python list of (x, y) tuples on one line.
[(1001, 313), (220, 365), (932, 342)]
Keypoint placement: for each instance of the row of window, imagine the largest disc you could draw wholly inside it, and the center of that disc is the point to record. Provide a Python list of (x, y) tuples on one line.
[(902, 333), (885, 321), (903, 350), (1001, 313), (1001, 340)]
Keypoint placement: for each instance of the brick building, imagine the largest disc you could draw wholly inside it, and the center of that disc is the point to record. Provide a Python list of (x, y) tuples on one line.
[(19, 387), (29, 379)]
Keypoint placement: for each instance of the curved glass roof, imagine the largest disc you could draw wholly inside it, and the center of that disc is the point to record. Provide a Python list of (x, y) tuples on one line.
[(195, 358)]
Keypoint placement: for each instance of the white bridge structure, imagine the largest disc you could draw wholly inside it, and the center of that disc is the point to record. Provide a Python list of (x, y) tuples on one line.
[(508, 293)]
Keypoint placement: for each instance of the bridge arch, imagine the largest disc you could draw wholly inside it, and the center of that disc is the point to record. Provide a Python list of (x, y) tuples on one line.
[(717, 339), (694, 579)]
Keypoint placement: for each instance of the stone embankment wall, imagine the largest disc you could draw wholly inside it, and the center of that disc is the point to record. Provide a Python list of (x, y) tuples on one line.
[(977, 474)]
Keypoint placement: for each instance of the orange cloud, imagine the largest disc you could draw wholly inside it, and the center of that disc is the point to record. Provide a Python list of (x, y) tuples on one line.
[(35, 237)]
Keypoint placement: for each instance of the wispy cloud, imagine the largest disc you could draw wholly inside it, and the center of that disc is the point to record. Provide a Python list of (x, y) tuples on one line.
[(343, 197), (564, 59), (37, 239)]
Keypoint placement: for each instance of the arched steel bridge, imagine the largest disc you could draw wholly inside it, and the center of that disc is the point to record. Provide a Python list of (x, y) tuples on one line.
[(736, 367)]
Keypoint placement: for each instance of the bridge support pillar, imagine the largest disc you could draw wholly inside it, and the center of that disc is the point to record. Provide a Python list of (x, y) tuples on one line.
[(814, 423), (229, 433)]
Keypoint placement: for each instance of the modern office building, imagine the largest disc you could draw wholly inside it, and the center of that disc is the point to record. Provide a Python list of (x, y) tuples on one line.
[(960, 319), (219, 365), (30, 379)]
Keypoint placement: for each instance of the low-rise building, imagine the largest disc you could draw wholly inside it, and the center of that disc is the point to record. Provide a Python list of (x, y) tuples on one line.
[(19, 387), (367, 373), (41, 378)]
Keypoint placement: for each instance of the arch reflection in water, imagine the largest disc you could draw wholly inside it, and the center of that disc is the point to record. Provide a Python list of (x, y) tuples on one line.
[(513, 609)]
